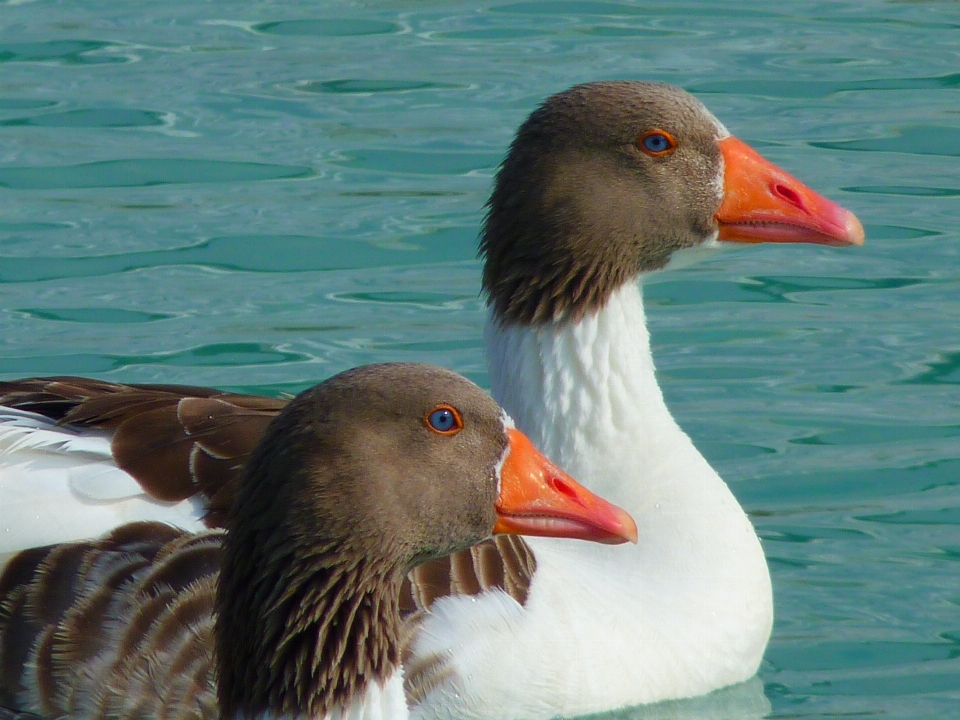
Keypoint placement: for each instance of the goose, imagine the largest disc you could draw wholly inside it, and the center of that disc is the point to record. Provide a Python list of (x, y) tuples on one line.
[(294, 612), (603, 184)]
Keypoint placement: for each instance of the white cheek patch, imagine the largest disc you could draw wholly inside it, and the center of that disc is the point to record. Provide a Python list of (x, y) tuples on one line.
[(718, 187), (498, 468), (722, 132)]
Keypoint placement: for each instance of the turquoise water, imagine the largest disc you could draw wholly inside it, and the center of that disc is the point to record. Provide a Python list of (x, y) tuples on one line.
[(257, 195)]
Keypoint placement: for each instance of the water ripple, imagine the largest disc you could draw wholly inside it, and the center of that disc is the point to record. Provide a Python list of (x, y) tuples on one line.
[(358, 86), (67, 52), (907, 190), (145, 172), (420, 162), (105, 117), (250, 253), (915, 140), (823, 88), (216, 355), (850, 655), (945, 370), (941, 516), (331, 27), (94, 315), (562, 7), (25, 104)]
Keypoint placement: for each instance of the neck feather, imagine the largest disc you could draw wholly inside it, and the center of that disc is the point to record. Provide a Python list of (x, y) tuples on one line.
[(586, 391), (304, 633), (587, 394)]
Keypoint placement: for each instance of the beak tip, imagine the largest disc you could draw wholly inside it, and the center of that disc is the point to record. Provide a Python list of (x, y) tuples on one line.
[(622, 528), (855, 233)]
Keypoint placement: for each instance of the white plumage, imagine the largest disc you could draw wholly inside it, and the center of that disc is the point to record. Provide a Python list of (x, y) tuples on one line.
[(686, 610), (59, 484)]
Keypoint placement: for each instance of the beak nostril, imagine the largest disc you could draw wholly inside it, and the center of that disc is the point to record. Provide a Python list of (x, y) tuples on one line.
[(791, 196), (564, 488)]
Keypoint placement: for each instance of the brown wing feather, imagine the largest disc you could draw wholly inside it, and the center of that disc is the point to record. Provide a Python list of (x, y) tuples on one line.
[(504, 562), (175, 440), (155, 449), (87, 402)]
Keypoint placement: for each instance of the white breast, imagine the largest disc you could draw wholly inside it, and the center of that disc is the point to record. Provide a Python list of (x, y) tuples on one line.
[(686, 611)]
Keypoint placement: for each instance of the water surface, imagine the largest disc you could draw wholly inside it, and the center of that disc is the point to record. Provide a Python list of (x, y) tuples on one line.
[(256, 195)]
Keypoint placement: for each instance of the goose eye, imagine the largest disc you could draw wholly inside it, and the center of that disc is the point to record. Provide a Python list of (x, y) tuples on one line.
[(444, 420), (657, 143)]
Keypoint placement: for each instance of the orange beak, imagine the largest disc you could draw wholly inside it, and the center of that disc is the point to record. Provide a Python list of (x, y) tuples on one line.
[(762, 203), (538, 498)]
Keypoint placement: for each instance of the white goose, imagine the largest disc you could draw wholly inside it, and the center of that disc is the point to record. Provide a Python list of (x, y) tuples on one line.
[(603, 183), (294, 613)]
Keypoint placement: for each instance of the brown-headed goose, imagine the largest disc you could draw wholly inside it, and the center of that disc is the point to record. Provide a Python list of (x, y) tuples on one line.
[(603, 183), (294, 612)]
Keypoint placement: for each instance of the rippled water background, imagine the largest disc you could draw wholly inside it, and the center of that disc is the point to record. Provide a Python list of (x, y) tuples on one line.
[(255, 195)]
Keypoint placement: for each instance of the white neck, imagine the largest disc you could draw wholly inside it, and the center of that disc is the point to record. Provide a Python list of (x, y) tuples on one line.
[(587, 395)]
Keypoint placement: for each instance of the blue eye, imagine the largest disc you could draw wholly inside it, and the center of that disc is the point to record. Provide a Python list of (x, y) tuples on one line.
[(657, 142), (442, 420), (445, 420)]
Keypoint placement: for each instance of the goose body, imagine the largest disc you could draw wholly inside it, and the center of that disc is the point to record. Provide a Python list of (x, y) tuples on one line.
[(603, 414), (294, 611), (604, 183)]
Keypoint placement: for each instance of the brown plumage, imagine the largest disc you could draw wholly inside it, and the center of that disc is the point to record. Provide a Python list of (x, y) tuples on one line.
[(337, 503), (86, 629), (178, 441), (578, 209)]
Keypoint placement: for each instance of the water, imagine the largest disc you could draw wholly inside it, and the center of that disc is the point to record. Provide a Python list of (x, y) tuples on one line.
[(257, 195)]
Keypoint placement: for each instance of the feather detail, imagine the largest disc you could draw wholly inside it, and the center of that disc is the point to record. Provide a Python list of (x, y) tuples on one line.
[(172, 443), (79, 456), (111, 628)]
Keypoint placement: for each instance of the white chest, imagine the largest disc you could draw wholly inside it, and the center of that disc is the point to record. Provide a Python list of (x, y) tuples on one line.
[(687, 610)]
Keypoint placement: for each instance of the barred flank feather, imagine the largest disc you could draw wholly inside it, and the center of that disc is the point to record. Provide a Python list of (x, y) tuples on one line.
[(118, 627)]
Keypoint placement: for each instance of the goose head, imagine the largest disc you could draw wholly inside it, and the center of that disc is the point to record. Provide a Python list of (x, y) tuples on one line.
[(358, 480), (608, 180)]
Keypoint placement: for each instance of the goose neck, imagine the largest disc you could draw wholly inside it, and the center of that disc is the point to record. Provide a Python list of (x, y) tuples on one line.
[(304, 634), (586, 391)]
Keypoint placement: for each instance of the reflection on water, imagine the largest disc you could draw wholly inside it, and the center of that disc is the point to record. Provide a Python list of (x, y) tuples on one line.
[(745, 701)]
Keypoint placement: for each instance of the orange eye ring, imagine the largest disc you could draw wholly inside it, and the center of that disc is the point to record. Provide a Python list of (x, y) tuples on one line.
[(657, 143), (444, 420)]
